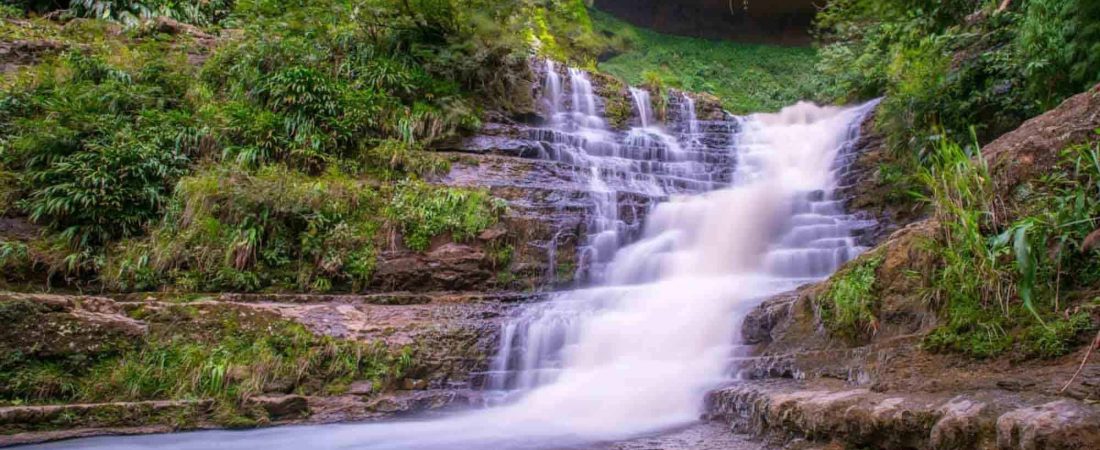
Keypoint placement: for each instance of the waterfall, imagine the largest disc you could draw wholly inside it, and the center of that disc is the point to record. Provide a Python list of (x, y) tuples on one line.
[(689, 113), (636, 352), (687, 110), (553, 91), (584, 100), (643, 105), (670, 303)]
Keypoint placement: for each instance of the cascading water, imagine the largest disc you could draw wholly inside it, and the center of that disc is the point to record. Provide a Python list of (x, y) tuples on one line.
[(636, 353), (646, 162), (643, 104)]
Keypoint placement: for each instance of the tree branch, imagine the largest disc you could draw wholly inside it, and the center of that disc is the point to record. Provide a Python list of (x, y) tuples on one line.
[(1093, 346)]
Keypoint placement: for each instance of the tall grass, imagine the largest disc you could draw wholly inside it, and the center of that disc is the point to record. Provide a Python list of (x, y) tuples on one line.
[(1003, 267)]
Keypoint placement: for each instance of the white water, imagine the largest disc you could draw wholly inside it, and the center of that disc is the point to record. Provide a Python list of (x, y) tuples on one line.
[(646, 160), (637, 353)]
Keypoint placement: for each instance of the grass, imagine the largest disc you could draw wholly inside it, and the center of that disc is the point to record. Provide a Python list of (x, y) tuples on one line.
[(1007, 262), (848, 306), (746, 77)]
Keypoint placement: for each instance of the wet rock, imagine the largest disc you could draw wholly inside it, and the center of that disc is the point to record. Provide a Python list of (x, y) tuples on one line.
[(278, 386), (15, 54), (171, 26), (1063, 424), (963, 424), (869, 195), (759, 323), (52, 326), (16, 420), (449, 267), (410, 384), (419, 401), (280, 407)]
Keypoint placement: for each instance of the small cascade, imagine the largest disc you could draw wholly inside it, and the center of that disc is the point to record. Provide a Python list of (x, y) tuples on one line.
[(622, 170), (553, 98), (643, 104), (687, 113), (584, 100)]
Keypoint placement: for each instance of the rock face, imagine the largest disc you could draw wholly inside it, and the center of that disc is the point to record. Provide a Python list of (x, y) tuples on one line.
[(1029, 152), (882, 390), (16, 54), (784, 22)]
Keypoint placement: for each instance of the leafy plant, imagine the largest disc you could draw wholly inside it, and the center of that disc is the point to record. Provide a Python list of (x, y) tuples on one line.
[(1056, 338), (133, 12), (956, 68), (98, 153), (423, 211)]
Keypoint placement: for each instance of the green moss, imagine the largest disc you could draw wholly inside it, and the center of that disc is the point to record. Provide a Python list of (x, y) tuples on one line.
[(979, 339), (1057, 338), (501, 254), (565, 271), (849, 305)]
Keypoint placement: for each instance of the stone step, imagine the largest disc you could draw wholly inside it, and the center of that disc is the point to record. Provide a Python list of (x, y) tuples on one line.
[(861, 418)]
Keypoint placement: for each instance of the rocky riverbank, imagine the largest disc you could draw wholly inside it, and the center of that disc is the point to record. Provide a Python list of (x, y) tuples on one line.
[(447, 337)]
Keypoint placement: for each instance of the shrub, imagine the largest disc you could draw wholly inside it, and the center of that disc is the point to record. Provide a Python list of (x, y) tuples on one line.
[(239, 231), (103, 193), (997, 276), (956, 68), (98, 148), (10, 12), (422, 211), (216, 352), (10, 192)]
